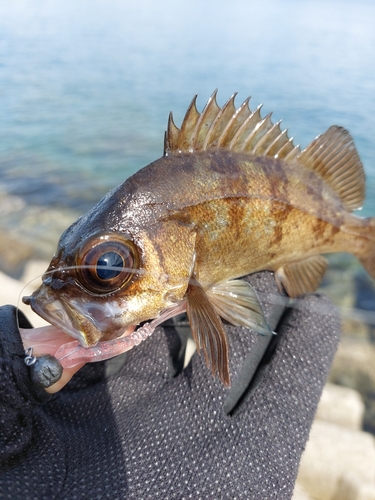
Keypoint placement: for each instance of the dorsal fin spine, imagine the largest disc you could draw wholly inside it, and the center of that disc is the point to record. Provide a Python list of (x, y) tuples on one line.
[(209, 113), (240, 136), (258, 133), (213, 135), (234, 124), (188, 124), (285, 149), (268, 138), (172, 134), (239, 130), (282, 137), (293, 153)]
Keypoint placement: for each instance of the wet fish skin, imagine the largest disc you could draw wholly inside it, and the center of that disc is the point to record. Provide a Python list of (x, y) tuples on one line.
[(231, 196), (158, 284)]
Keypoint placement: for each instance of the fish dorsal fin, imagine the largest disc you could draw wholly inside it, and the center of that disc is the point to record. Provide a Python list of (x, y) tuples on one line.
[(229, 128), (334, 157)]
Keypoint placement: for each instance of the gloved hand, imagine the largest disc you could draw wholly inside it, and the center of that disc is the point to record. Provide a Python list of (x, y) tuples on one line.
[(132, 430)]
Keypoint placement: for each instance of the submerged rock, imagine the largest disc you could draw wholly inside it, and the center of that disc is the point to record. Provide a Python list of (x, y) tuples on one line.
[(14, 253), (29, 232), (341, 406), (339, 460), (354, 367)]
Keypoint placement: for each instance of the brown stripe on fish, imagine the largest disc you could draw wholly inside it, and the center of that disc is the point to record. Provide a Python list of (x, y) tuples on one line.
[(232, 174), (332, 231), (236, 216), (324, 232), (312, 180), (275, 172), (319, 228), (280, 213)]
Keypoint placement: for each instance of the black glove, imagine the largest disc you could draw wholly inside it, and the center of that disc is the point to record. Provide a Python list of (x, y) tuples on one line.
[(131, 430)]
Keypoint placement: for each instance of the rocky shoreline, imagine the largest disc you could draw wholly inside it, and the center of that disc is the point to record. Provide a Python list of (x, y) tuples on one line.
[(29, 232)]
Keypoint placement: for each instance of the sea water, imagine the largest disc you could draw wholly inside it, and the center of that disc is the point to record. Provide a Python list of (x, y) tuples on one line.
[(86, 87)]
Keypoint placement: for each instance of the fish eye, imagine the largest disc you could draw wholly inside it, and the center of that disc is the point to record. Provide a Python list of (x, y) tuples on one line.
[(106, 263), (109, 265)]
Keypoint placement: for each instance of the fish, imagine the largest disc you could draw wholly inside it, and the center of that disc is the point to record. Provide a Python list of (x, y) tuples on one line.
[(231, 195)]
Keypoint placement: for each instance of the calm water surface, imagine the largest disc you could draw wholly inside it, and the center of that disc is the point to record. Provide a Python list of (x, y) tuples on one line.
[(86, 87)]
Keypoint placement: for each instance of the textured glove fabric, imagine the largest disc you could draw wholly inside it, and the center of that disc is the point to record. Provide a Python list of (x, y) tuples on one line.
[(128, 429)]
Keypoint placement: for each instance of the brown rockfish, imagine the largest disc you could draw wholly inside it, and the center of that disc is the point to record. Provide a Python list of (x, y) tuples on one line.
[(230, 196)]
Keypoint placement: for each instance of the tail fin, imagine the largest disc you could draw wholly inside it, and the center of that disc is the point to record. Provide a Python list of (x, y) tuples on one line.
[(368, 257)]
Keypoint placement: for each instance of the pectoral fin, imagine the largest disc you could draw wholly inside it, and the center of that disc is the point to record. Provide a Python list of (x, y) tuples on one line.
[(208, 331), (301, 277), (237, 302)]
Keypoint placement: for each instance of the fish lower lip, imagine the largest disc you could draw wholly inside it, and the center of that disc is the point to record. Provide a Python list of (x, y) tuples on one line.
[(26, 299), (55, 312)]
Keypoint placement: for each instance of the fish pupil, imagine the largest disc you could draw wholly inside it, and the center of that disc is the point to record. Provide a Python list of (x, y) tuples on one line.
[(109, 265)]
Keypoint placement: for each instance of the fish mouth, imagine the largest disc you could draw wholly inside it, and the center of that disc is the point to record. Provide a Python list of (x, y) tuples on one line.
[(75, 321), (91, 322)]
